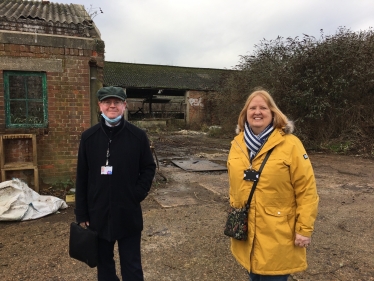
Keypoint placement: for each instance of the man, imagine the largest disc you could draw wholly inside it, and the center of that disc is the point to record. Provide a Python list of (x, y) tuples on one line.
[(114, 174)]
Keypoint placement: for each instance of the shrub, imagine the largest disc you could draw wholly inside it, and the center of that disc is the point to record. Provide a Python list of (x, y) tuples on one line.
[(325, 85)]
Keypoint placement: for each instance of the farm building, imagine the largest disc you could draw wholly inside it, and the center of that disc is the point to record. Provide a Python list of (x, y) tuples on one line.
[(51, 61), (164, 92)]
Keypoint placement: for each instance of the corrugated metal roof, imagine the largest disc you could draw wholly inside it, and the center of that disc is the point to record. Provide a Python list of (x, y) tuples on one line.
[(130, 75), (47, 11)]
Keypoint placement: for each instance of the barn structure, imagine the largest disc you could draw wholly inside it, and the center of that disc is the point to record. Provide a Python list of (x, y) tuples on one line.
[(164, 92)]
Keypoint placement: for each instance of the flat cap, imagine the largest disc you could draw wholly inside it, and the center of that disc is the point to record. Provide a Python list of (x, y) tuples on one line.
[(111, 92)]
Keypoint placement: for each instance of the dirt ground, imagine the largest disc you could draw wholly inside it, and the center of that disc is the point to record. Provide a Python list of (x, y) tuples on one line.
[(183, 223)]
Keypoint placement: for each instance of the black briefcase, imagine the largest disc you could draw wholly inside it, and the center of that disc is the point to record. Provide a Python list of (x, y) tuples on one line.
[(83, 245)]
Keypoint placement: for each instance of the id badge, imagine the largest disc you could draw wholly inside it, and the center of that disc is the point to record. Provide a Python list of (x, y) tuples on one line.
[(251, 175), (106, 170)]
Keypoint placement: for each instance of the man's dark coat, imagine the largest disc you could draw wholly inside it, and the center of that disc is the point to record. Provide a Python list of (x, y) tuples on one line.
[(111, 203)]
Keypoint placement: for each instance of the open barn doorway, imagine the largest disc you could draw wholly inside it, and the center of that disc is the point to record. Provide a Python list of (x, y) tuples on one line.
[(155, 104)]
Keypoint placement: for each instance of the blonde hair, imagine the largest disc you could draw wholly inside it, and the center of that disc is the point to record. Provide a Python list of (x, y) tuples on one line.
[(279, 119)]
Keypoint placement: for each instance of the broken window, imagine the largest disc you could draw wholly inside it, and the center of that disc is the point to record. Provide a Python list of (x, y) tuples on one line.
[(25, 99)]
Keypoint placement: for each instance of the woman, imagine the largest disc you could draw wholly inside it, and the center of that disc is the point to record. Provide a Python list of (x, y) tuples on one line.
[(284, 206)]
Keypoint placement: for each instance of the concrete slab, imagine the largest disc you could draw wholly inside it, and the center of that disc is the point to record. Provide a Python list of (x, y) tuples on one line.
[(216, 188), (179, 195), (216, 183), (184, 194), (197, 165)]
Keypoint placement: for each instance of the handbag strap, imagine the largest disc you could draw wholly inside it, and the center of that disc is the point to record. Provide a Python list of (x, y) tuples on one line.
[(255, 183)]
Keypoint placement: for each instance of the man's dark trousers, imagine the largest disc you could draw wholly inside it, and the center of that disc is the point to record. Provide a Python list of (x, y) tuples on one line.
[(130, 259)]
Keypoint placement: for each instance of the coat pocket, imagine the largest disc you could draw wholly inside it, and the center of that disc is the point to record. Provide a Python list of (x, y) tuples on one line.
[(282, 219), (278, 211)]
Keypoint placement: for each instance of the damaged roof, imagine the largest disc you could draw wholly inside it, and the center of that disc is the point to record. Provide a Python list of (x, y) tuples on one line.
[(44, 10), (131, 75)]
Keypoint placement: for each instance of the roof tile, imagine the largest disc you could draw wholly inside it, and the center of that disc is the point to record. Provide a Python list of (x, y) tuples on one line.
[(49, 12)]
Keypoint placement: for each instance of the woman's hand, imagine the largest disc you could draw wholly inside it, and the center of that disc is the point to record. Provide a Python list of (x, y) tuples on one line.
[(302, 241)]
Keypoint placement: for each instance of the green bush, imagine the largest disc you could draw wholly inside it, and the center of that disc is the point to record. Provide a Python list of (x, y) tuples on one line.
[(325, 85)]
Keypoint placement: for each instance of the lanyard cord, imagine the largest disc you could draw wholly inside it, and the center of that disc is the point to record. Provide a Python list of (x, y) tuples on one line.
[(109, 142), (107, 153)]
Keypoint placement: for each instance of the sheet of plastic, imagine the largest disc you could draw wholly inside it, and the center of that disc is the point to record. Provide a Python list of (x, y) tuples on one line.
[(18, 202)]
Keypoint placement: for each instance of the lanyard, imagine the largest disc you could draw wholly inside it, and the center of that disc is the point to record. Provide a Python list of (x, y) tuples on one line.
[(107, 153)]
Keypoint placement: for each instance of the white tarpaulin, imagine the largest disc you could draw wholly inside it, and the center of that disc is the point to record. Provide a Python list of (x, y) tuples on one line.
[(18, 202)]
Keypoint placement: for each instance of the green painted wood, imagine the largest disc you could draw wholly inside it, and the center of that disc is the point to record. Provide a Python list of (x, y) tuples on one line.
[(26, 103)]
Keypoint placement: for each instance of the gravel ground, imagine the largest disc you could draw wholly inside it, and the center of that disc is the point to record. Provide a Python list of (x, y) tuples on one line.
[(186, 242)]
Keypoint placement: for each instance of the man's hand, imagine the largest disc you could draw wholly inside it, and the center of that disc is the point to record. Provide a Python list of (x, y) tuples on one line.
[(84, 224)]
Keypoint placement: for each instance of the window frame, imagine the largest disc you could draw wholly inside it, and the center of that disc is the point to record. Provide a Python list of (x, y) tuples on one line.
[(43, 99)]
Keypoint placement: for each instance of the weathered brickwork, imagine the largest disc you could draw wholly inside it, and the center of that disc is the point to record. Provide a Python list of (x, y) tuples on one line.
[(68, 95), (18, 150), (195, 114)]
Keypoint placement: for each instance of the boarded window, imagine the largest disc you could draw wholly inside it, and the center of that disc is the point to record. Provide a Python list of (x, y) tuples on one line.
[(25, 99)]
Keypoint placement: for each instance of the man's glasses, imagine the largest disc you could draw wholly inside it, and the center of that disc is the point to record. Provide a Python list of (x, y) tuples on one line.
[(108, 102)]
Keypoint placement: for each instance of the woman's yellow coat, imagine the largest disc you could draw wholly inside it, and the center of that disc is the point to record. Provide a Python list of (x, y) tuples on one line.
[(285, 202)]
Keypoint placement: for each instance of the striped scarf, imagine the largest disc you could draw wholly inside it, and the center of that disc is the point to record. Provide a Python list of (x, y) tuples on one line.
[(253, 142)]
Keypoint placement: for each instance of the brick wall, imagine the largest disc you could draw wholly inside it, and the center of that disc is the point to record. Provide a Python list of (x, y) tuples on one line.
[(18, 150), (68, 92)]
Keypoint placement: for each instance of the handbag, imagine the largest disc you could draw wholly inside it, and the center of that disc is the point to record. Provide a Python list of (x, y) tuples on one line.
[(237, 220), (83, 244)]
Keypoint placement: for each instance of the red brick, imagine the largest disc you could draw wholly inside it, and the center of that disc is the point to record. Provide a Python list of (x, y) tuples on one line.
[(45, 167)]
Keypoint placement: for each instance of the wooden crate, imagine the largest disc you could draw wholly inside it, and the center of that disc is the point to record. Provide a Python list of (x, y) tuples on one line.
[(14, 165)]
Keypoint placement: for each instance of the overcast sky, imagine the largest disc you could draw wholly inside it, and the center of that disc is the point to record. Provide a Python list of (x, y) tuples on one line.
[(213, 33)]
